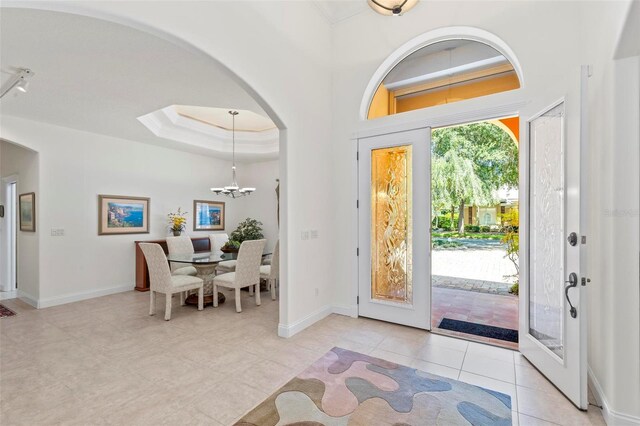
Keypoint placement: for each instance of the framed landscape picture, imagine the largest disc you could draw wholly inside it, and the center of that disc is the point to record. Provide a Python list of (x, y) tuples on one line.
[(28, 212), (208, 215), (122, 215)]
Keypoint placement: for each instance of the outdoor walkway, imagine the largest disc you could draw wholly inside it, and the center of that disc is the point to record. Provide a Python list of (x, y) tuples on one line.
[(478, 308), (477, 264), (473, 285)]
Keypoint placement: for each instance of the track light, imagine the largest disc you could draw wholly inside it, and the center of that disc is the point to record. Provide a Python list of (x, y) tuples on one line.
[(19, 80), (23, 86)]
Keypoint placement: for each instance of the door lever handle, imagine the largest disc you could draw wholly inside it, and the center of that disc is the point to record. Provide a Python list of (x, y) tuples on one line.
[(573, 282)]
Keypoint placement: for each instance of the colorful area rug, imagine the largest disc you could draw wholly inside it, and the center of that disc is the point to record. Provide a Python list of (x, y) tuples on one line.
[(349, 388), (5, 312), (506, 334)]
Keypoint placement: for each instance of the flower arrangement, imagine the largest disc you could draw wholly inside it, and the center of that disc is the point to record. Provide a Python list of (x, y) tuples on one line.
[(177, 221)]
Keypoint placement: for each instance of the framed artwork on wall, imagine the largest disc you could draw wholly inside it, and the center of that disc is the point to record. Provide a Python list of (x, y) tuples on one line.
[(122, 215), (27, 212), (208, 215)]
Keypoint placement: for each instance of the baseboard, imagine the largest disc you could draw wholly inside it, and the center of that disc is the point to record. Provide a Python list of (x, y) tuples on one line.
[(28, 299), (347, 310), (6, 295), (76, 297), (292, 329), (611, 417)]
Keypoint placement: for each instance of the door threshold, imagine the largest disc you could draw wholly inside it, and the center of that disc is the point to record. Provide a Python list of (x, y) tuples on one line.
[(477, 339)]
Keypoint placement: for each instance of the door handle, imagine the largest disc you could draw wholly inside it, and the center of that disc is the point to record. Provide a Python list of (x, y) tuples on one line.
[(573, 282)]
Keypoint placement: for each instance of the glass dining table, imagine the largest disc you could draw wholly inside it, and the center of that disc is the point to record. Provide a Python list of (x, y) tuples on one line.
[(205, 264)]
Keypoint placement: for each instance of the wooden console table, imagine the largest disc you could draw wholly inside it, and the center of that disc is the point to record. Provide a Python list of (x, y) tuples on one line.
[(200, 244)]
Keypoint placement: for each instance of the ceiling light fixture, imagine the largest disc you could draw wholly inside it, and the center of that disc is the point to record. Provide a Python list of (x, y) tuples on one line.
[(19, 80), (391, 7), (233, 190)]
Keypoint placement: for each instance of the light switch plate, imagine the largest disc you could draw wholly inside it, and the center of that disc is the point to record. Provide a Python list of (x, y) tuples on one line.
[(57, 232)]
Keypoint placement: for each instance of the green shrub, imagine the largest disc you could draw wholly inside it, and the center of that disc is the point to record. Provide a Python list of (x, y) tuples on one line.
[(472, 228), (485, 228), (249, 229), (514, 289), (444, 244), (442, 222)]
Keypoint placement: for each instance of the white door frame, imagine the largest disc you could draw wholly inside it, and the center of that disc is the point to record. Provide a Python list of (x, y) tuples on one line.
[(440, 116), (8, 239), (417, 313)]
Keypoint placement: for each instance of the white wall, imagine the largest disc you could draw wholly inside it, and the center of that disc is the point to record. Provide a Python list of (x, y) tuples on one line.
[(15, 160), (614, 269), (262, 204), (551, 40), (281, 52), (77, 166)]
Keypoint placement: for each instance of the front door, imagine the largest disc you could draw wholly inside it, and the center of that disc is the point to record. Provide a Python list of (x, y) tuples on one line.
[(553, 308), (394, 218)]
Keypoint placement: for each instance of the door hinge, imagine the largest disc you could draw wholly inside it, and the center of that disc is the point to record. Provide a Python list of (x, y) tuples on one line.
[(584, 281), (358, 251), (357, 155), (357, 204), (357, 300)]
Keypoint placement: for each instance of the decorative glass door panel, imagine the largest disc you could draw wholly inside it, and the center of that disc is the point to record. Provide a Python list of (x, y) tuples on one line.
[(393, 227), (553, 244), (391, 224), (547, 234)]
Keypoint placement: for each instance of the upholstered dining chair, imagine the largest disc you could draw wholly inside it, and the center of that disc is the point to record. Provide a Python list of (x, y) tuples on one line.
[(181, 245), (161, 280), (217, 241), (247, 273), (271, 272)]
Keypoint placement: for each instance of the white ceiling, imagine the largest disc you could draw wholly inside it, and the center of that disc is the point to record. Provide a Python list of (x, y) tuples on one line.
[(98, 76), (335, 11)]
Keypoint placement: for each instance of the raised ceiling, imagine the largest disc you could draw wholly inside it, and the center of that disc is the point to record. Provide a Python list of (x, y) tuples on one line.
[(335, 11), (99, 77)]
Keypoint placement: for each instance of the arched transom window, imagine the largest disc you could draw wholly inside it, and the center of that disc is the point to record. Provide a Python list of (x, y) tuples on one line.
[(441, 73)]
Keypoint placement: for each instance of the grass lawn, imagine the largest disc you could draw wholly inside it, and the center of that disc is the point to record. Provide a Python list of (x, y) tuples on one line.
[(471, 235)]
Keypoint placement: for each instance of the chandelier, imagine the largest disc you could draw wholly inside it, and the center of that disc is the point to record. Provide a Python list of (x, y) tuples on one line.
[(233, 190), (391, 7)]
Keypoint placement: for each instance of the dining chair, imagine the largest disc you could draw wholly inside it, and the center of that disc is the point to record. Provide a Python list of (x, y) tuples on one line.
[(217, 241), (247, 273), (161, 280), (181, 245), (271, 272)]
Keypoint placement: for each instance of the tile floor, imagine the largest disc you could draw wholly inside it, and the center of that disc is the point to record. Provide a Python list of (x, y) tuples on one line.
[(104, 361)]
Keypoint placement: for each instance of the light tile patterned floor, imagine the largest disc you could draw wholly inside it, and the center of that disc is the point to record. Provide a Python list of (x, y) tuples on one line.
[(104, 361)]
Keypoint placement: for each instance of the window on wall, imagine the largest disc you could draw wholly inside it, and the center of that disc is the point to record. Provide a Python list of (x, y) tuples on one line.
[(442, 73)]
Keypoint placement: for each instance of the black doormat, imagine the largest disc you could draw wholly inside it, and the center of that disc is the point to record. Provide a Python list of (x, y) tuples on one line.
[(480, 330)]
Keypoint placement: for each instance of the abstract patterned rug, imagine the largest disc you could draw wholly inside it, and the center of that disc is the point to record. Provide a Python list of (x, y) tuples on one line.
[(349, 388), (5, 312)]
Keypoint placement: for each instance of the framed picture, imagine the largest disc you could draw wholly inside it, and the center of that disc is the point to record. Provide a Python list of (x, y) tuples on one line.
[(122, 215), (208, 215), (28, 212)]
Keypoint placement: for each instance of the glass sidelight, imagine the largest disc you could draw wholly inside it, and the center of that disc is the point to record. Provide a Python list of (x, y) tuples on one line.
[(391, 224)]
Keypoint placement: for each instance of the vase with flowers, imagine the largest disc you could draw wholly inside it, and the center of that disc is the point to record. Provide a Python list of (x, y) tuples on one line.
[(177, 222)]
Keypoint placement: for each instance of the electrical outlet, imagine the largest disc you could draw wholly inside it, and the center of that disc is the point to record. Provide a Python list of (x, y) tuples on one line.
[(304, 235), (57, 232), (314, 234)]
